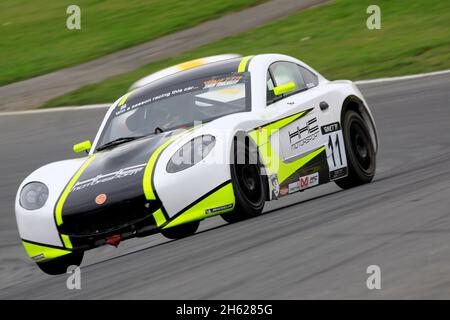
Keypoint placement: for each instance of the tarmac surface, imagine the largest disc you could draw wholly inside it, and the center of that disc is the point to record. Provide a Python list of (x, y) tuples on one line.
[(313, 245)]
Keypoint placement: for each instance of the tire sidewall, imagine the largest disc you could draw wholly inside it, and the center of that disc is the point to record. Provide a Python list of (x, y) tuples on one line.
[(242, 205), (354, 167)]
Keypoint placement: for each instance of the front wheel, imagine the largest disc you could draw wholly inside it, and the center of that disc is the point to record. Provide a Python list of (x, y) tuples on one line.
[(248, 185), (361, 154), (181, 231), (60, 265)]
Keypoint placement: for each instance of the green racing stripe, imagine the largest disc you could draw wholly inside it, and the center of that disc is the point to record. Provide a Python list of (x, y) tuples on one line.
[(41, 252), (272, 161), (219, 200), (65, 194)]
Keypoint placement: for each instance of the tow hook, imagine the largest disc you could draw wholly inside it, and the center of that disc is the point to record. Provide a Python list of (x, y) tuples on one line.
[(113, 240)]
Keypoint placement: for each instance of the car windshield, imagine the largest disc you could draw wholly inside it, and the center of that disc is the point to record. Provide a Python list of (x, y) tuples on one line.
[(177, 106)]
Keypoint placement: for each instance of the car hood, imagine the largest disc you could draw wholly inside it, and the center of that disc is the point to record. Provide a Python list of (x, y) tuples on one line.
[(112, 177)]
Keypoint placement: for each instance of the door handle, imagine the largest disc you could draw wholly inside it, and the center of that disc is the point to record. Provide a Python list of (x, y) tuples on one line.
[(324, 105)]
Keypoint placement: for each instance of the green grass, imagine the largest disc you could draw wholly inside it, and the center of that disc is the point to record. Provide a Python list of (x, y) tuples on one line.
[(414, 38), (34, 38)]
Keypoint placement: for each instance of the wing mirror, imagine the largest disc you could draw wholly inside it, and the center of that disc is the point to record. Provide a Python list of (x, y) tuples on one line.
[(82, 146), (288, 87)]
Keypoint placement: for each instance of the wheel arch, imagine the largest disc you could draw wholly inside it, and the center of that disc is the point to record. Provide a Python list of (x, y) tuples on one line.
[(243, 136), (354, 103)]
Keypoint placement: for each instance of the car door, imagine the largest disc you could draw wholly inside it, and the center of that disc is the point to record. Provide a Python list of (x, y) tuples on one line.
[(298, 141), (302, 135)]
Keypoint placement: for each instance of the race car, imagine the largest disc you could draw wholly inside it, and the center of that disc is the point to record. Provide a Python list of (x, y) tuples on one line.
[(218, 138)]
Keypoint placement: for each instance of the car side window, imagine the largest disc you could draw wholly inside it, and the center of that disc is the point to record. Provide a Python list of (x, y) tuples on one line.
[(283, 72), (311, 80)]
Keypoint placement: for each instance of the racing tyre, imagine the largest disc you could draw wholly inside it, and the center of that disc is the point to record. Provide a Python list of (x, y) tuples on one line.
[(181, 231), (248, 185), (361, 154), (60, 265)]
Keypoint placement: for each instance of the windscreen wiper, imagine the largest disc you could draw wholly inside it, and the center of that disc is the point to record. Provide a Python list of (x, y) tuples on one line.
[(118, 141)]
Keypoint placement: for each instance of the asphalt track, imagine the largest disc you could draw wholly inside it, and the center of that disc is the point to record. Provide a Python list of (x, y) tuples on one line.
[(317, 244)]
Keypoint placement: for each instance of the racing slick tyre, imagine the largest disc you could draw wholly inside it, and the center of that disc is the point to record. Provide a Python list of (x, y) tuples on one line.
[(248, 184), (60, 265), (181, 231), (361, 154)]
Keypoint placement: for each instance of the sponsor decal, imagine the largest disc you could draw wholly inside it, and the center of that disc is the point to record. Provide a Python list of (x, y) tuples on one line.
[(304, 182), (284, 191), (309, 181), (225, 81), (304, 135), (101, 199), (339, 173), (218, 82), (293, 187), (38, 257), (275, 186), (332, 127), (217, 209), (157, 97), (125, 172)]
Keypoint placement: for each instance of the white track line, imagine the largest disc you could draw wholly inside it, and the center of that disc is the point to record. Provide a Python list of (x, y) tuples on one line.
[(104, 106), (57, 109), (411, 77)]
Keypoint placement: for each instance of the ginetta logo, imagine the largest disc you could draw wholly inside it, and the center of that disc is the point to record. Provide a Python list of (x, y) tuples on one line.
[(109, 177), (304, 135)]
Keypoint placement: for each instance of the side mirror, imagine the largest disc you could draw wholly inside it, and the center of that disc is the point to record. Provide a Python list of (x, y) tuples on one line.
[(82, 146), (290, 86)]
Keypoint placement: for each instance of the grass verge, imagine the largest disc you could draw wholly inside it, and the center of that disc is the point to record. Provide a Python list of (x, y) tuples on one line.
[(35, 39), (333, 38)]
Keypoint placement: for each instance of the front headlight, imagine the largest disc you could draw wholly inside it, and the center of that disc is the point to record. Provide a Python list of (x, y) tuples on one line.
[(33, 195), (191, 153)]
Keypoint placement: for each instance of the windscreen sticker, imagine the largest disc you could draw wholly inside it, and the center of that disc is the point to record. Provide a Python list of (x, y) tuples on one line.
[(186, 87), (222, 82), (225, 94), (157, 97)]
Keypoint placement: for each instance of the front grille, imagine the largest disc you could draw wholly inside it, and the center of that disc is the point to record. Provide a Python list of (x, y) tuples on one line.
[(110, 218)]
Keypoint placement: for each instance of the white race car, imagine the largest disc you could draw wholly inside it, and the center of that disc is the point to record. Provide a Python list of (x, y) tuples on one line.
[(217, 138)]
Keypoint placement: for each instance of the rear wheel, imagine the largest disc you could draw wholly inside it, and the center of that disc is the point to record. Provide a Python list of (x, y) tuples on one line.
[(181, 231), (60, 265), (248, 185), (360, 151)]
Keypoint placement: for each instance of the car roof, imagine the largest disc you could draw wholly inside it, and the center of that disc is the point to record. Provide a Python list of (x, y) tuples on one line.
[(181, 67)]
